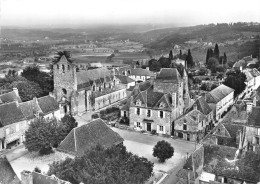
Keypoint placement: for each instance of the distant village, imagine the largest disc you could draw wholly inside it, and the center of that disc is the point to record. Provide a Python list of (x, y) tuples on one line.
[(108, 100)]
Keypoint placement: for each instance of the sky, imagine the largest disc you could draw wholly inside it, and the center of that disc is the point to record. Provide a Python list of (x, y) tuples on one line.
[(80, 12)]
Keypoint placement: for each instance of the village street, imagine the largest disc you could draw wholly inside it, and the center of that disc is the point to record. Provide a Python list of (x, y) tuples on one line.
[(142, 145)]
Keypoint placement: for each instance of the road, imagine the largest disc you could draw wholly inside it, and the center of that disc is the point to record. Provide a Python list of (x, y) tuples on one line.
[(181, 148)]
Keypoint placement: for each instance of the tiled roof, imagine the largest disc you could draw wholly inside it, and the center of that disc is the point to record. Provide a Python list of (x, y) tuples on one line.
[(191, 117), (48, 104), (39, 178), (202, 106), (140, 72), (10, 97), (10, 113), (254, 117), (84, 137), (124, 79), (92, 75), (30, 108), (218, 94), (219, 160), (7, 174), (171, 74), (145, 85)]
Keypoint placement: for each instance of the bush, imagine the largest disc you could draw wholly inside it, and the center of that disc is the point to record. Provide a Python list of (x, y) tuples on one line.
[(124, 121), (37, 169), (94, 116), (153, 132)]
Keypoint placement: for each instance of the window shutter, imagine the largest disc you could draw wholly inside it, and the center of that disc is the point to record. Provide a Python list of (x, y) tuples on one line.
[(158, 114), (135, 124), (158, 128)]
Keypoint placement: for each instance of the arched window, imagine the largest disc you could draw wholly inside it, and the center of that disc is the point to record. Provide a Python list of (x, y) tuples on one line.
[(64, 91)]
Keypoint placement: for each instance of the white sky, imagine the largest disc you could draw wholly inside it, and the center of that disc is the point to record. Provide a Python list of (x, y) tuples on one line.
[(180, 12)]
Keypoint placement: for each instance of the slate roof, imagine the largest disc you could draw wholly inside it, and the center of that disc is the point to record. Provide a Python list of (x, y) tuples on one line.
[(84, 137), (10, 113), (7, 174), (30, 108), (92, 75), (254, 117), (48, 104), (171, 74), (202, 106), (144, 85), (217, 94), (10, 97), (124, 79), (140, 72)]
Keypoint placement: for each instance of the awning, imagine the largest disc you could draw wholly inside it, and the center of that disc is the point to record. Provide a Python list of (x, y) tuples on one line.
[(148, 120)]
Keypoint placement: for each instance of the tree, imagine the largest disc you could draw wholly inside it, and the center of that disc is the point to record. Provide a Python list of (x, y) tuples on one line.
[(216, 51), (165, 62), (203, 71), (207, 57), (41, 136), (180, 53), (154, 65), (236, 80), (99, 165), (163, 150), (212, 64), (170, 55), (189, 59), (224, 58)]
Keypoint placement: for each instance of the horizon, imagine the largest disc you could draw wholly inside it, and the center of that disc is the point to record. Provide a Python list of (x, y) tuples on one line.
[(169, 13)]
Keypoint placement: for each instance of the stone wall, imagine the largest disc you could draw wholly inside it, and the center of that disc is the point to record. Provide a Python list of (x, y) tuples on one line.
[(157, 121)]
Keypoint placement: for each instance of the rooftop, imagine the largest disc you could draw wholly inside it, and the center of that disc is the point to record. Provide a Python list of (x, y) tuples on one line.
[(254, 117), (171, 74), (84, 137), (124, 79), (7, 174), (217, 94), (140, 72), (10, 97), (48, 104)]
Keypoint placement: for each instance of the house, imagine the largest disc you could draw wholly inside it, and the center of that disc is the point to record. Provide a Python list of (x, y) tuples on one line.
[(13, 125), (201, 105), (125, 80), (191, 126), (252, 132), (140, 75), (155, 105), (220, 164), (82, 138), (220, 100), (252, 79), (7, 174), (85, 90), (28, 177)]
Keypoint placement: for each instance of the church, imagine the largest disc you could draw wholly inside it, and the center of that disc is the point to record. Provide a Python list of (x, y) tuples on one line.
[(78, 91)]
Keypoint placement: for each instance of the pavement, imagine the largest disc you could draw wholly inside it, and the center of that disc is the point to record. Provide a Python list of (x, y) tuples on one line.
[(142, 145), (15, 153)]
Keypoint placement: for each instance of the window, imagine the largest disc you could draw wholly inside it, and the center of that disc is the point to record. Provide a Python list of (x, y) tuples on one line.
[(104, 85), (68, 67), (184, 127), (148, 113), (138, 111), (63, 68), (94, 88), (17, 128), (58, 67), (124, 113), (138, 124), (161, 114), (161, 128), (99, 88), (202, 123)]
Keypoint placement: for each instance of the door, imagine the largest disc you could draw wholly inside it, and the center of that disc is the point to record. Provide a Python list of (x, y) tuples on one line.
[(188, 137), (149, 127)]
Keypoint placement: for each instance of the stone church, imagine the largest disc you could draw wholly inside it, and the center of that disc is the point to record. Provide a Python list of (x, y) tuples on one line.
[(79, 91)]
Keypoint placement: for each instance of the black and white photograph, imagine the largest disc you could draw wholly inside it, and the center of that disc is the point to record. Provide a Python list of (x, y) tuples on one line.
[(129, 92)]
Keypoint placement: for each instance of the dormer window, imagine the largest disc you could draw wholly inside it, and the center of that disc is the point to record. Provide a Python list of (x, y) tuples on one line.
[(138, 102), (162, 105)]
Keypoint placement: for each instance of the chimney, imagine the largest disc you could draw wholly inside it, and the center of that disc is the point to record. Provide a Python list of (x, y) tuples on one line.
[(16, 91), (26, 177)]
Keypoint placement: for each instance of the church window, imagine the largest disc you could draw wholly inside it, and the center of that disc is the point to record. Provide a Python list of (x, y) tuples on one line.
[(63, 68), (64, 91)]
